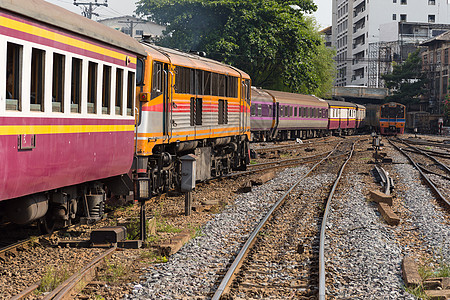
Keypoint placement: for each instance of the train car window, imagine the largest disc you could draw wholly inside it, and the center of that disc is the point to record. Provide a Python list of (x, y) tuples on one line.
[(222, 85), (157, 79), (295, 111), (92, 88), (37, 79), (130, 93), (260, 110), (270, 111), (76, 85), (215, 84), (106, 92), (252, 109), (223, 111), (13, 76), (207, 83), (58, 82), (119, 91), (265, 110)]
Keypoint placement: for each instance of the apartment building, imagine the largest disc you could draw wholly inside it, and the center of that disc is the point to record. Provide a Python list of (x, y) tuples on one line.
[(356, 24)]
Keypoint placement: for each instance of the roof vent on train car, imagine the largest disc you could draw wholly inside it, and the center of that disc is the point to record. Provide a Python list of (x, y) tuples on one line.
[(199, 53)]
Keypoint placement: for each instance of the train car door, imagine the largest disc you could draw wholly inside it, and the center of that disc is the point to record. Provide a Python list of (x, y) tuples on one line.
[(245, 99), (160, 92)]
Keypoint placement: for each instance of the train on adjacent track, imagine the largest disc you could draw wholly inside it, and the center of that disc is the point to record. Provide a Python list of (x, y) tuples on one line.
[(280, 116), (387, 119), (88, 113)]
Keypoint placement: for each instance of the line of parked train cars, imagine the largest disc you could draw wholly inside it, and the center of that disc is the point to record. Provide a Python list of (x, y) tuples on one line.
[(87, 112), (279, 116)]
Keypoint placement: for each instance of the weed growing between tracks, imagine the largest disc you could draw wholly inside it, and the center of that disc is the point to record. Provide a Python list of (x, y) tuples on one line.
[(53, 278)]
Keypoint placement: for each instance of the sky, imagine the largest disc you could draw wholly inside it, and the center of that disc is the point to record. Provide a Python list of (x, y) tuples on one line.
[(118, 8)]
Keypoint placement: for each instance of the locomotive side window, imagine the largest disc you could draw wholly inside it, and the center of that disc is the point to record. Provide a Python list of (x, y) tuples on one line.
[(130, 93), (13, 77), (207, 83), (106, 92), (76, 85), (37, 80), (215, 84), (223, 111), (232, 87), (119, 91), (199, 82), (58, 82), (157, 79), (196, 111), (92, 88), (222, 85)]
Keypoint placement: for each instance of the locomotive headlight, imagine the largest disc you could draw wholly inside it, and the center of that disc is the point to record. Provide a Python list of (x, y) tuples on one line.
[(144, 97)]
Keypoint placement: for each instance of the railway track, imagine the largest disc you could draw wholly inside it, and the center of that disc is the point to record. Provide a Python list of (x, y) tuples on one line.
[(284, 258), (436, 180)]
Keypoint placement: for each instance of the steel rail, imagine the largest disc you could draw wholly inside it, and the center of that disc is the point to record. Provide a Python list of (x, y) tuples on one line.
[(234, 268), (65, 290), (439, 145), (322, 294), (428, 181), (296, 145), (420, 151), (286, 160), (13, 248)]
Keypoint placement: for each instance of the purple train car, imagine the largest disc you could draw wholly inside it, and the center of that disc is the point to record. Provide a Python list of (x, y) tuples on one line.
[(342, 117), (278, 115)]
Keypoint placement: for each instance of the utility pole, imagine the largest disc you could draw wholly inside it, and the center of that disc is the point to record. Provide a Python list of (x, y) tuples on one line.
[(131, 24), (89, 7)]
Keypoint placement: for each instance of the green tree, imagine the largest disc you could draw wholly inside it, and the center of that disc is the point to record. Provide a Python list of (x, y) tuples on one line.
[(407, 81), (271, 40)]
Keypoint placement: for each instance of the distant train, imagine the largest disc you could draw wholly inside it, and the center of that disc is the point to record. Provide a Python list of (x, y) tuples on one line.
[(278, 115), (387, 119)]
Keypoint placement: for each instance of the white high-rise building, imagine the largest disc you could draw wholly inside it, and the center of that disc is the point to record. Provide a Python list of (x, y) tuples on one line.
[(359, 23)]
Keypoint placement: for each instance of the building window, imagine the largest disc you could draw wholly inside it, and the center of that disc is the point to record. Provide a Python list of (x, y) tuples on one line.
[(431, 2), (403, 18), (394, 17), (431, 18), (139, 32), (13, 76), (37, 80), (403, 2), (58, 83), (394, 1), (446, 56), (92, 88)]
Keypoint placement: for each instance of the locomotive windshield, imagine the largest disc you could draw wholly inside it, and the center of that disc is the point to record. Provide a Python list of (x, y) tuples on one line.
[(392, 112)]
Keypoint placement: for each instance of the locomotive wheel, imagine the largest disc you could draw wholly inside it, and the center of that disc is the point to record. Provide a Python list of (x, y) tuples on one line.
[(46, 224)]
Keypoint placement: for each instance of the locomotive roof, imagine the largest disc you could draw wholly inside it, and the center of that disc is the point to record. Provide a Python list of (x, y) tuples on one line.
[(293, 98), (341, 103), (192, 61), (51, 14)]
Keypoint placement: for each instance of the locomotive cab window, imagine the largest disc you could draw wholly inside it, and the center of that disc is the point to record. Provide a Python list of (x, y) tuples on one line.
[(119, 91), (92, 88), (76, 85), (157, 80), (13, 77), (106, 92), (37, 80), (58, 82)]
